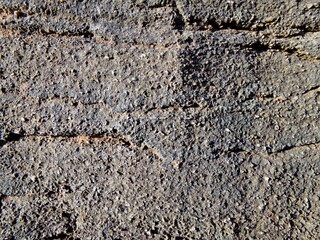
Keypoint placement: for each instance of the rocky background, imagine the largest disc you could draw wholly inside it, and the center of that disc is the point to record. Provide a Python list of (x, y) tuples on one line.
[(159, 119)]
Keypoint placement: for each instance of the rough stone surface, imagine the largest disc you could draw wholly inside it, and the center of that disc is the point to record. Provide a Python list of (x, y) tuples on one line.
[(159, 119)]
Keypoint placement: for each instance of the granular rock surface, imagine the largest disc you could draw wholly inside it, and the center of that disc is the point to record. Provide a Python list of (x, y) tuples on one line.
[(159, 119)]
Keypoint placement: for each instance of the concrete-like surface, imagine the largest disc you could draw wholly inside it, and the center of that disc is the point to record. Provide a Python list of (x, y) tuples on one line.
[(159, 119)]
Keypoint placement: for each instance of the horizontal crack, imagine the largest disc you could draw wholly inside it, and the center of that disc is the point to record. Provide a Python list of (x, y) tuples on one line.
[(312, 90), (7, 198), (122, 140), (12, 137), (60, 236), (172, 107), (270, 96), (215, 25), (145, 147), (86, 34), (160, 5), (297, 147), (144, 111), (315, 145), (260, 46), (307, 29), (81, 33), (182, 21)]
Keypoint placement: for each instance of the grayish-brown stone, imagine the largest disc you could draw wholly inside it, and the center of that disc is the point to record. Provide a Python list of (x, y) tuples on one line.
[(159, 119)]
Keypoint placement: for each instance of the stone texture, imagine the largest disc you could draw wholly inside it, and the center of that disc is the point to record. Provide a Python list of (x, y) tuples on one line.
[(159, 119)]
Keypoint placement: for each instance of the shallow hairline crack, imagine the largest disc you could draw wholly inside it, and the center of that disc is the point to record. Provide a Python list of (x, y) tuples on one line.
[(81, 138), (272, 97), (86, 34), (127, 142), (174, 106), (272, 153), (204, 24), (263, 47), (289, 148), (4, 198), (144, 111)]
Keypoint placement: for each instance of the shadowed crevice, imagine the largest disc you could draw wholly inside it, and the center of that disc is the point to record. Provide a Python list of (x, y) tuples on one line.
[(12, 137)]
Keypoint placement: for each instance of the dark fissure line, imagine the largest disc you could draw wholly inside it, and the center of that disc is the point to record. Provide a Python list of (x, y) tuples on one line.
[(81, 33), (56, 237), (212, 24), (311, 89), (287, 148), (258, 46), (12, 137)]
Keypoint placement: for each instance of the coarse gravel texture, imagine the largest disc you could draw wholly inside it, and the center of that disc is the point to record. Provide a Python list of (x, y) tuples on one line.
[(159, 119)]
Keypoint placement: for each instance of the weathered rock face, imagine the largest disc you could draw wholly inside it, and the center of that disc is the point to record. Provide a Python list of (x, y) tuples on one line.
[(159, 119)]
